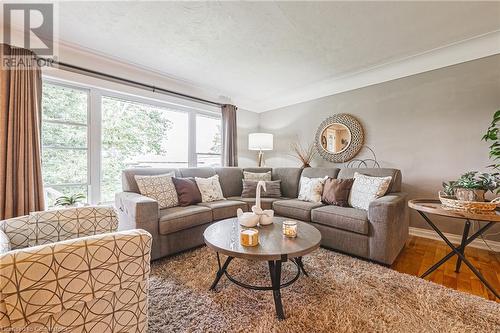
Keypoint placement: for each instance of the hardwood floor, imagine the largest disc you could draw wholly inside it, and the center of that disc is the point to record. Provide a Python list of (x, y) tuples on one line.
[(421, 253)]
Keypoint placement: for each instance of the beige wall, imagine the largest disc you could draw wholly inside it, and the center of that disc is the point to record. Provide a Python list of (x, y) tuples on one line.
[(248, 122), (428, 125)]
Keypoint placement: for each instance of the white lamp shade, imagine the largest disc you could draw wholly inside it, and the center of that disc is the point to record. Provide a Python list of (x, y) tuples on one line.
[(260, 141)]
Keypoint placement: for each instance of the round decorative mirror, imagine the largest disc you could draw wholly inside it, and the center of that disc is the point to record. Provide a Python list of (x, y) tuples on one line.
[(339, 138)]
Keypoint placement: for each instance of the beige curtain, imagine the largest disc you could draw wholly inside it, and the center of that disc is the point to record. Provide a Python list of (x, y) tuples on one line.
[(21, 187), (229, 136)]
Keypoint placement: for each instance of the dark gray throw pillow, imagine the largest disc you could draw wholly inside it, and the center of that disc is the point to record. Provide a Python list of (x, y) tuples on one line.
[(250, 188)]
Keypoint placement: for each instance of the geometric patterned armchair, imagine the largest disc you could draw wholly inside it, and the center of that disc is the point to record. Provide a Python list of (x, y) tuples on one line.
[(68, 270)]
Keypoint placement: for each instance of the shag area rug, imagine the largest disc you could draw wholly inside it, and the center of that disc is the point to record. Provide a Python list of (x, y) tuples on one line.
[(341, 294)]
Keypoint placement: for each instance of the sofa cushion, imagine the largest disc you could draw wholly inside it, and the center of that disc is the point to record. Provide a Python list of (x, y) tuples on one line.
[(365, 189), (273, 189), (345, 218), (181, 218), (160, 188), (230, 180), (224, 209), (336, 192), (128, 181), (310, 189), (187, 191), (256, 176), (294, 208), (320, 172), (203, 172), (289, 180), (210, 188), (265, 203), (395, 185)]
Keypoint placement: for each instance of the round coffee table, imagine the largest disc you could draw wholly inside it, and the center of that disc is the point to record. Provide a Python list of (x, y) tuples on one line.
[(224, 238)]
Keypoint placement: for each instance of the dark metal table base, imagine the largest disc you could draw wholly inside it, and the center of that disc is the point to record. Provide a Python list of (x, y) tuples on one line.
[(459, 251), (275, 272)]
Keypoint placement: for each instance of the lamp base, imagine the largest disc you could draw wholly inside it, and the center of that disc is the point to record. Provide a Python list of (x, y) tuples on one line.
[(260, 159)]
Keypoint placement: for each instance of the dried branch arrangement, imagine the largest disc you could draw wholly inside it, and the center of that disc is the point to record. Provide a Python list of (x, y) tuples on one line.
[(303, 154)]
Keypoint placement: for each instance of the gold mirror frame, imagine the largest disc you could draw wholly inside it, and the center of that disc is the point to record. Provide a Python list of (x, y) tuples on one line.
[(355, 144)]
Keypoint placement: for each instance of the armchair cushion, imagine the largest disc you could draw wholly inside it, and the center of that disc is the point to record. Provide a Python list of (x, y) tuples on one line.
[(4, 242), (62, 224), (53, 284), (17, 230)]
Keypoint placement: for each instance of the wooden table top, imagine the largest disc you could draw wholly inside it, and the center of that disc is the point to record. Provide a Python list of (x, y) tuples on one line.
[(433, 206), (224, 237)]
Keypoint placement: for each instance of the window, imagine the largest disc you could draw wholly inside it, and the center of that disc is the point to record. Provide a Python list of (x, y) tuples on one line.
[(208, 141), (90, 135), (139, 135), (64, 141)]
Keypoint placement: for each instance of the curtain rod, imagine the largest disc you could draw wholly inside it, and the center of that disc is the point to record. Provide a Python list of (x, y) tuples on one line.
[(109, 77)]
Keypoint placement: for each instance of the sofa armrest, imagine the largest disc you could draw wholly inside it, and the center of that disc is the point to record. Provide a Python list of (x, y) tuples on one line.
[(389, 225), (137, 212), (61, 278)]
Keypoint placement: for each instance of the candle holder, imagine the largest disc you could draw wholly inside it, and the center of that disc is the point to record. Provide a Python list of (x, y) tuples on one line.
[(290, 229), (249, 237)]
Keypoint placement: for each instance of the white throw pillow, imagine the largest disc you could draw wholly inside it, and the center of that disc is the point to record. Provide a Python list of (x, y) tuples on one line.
[(160, 188), (4, 243), (365, 189), (311, 189), (256, 176), (210, 188)]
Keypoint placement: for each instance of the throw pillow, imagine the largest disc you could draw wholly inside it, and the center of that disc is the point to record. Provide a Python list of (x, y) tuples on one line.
[(4, 242), (365, 189), (311, 189), (336, 192), (265, 176), (160, 188), (209, 188), (250, 189), (187, 191)]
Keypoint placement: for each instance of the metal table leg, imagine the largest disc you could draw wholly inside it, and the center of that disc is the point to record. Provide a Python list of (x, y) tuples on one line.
[(458, 251), (275, 271), (221, 271), (298, 260), (462, 245)]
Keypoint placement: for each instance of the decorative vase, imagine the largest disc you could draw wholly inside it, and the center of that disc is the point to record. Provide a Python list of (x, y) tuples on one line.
[(466, 194)]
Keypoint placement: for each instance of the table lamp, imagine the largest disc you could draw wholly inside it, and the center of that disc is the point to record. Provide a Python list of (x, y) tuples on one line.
[(260, 142)]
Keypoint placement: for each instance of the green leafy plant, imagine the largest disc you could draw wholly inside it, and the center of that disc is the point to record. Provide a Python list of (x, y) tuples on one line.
[(69, 200), (492, 136), (473, 180)]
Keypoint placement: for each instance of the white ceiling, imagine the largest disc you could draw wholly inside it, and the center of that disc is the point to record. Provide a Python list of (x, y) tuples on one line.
[(258, 52)]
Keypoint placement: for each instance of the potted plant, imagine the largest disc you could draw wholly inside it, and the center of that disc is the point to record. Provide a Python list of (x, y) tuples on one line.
[(69, 200), (472, 186)]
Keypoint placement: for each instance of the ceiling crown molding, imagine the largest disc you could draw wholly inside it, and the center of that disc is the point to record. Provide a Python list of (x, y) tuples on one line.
[(452, 54)]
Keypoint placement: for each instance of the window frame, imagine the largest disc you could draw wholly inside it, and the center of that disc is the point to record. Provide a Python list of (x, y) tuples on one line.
[(94, 127), (71, 123)]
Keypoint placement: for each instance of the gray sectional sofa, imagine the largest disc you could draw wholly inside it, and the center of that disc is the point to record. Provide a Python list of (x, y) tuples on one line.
[(377, 234)]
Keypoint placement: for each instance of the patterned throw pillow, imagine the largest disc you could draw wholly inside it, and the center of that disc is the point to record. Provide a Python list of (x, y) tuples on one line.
[(160, 188), (210, 188), (4, 242), (366, 189), (265, 176), (311, 189), (273, 189)]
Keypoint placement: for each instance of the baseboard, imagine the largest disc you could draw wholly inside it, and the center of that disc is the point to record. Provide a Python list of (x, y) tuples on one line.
[(455, 239)]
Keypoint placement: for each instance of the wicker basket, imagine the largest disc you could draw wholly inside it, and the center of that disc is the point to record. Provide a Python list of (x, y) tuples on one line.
[(451, 201)]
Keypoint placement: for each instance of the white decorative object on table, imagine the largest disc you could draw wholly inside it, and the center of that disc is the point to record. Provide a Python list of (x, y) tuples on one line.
[(247, 219), (265, 216)]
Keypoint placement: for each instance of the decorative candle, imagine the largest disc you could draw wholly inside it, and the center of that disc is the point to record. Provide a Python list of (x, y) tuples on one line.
[(249, 237), (290, 229)]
